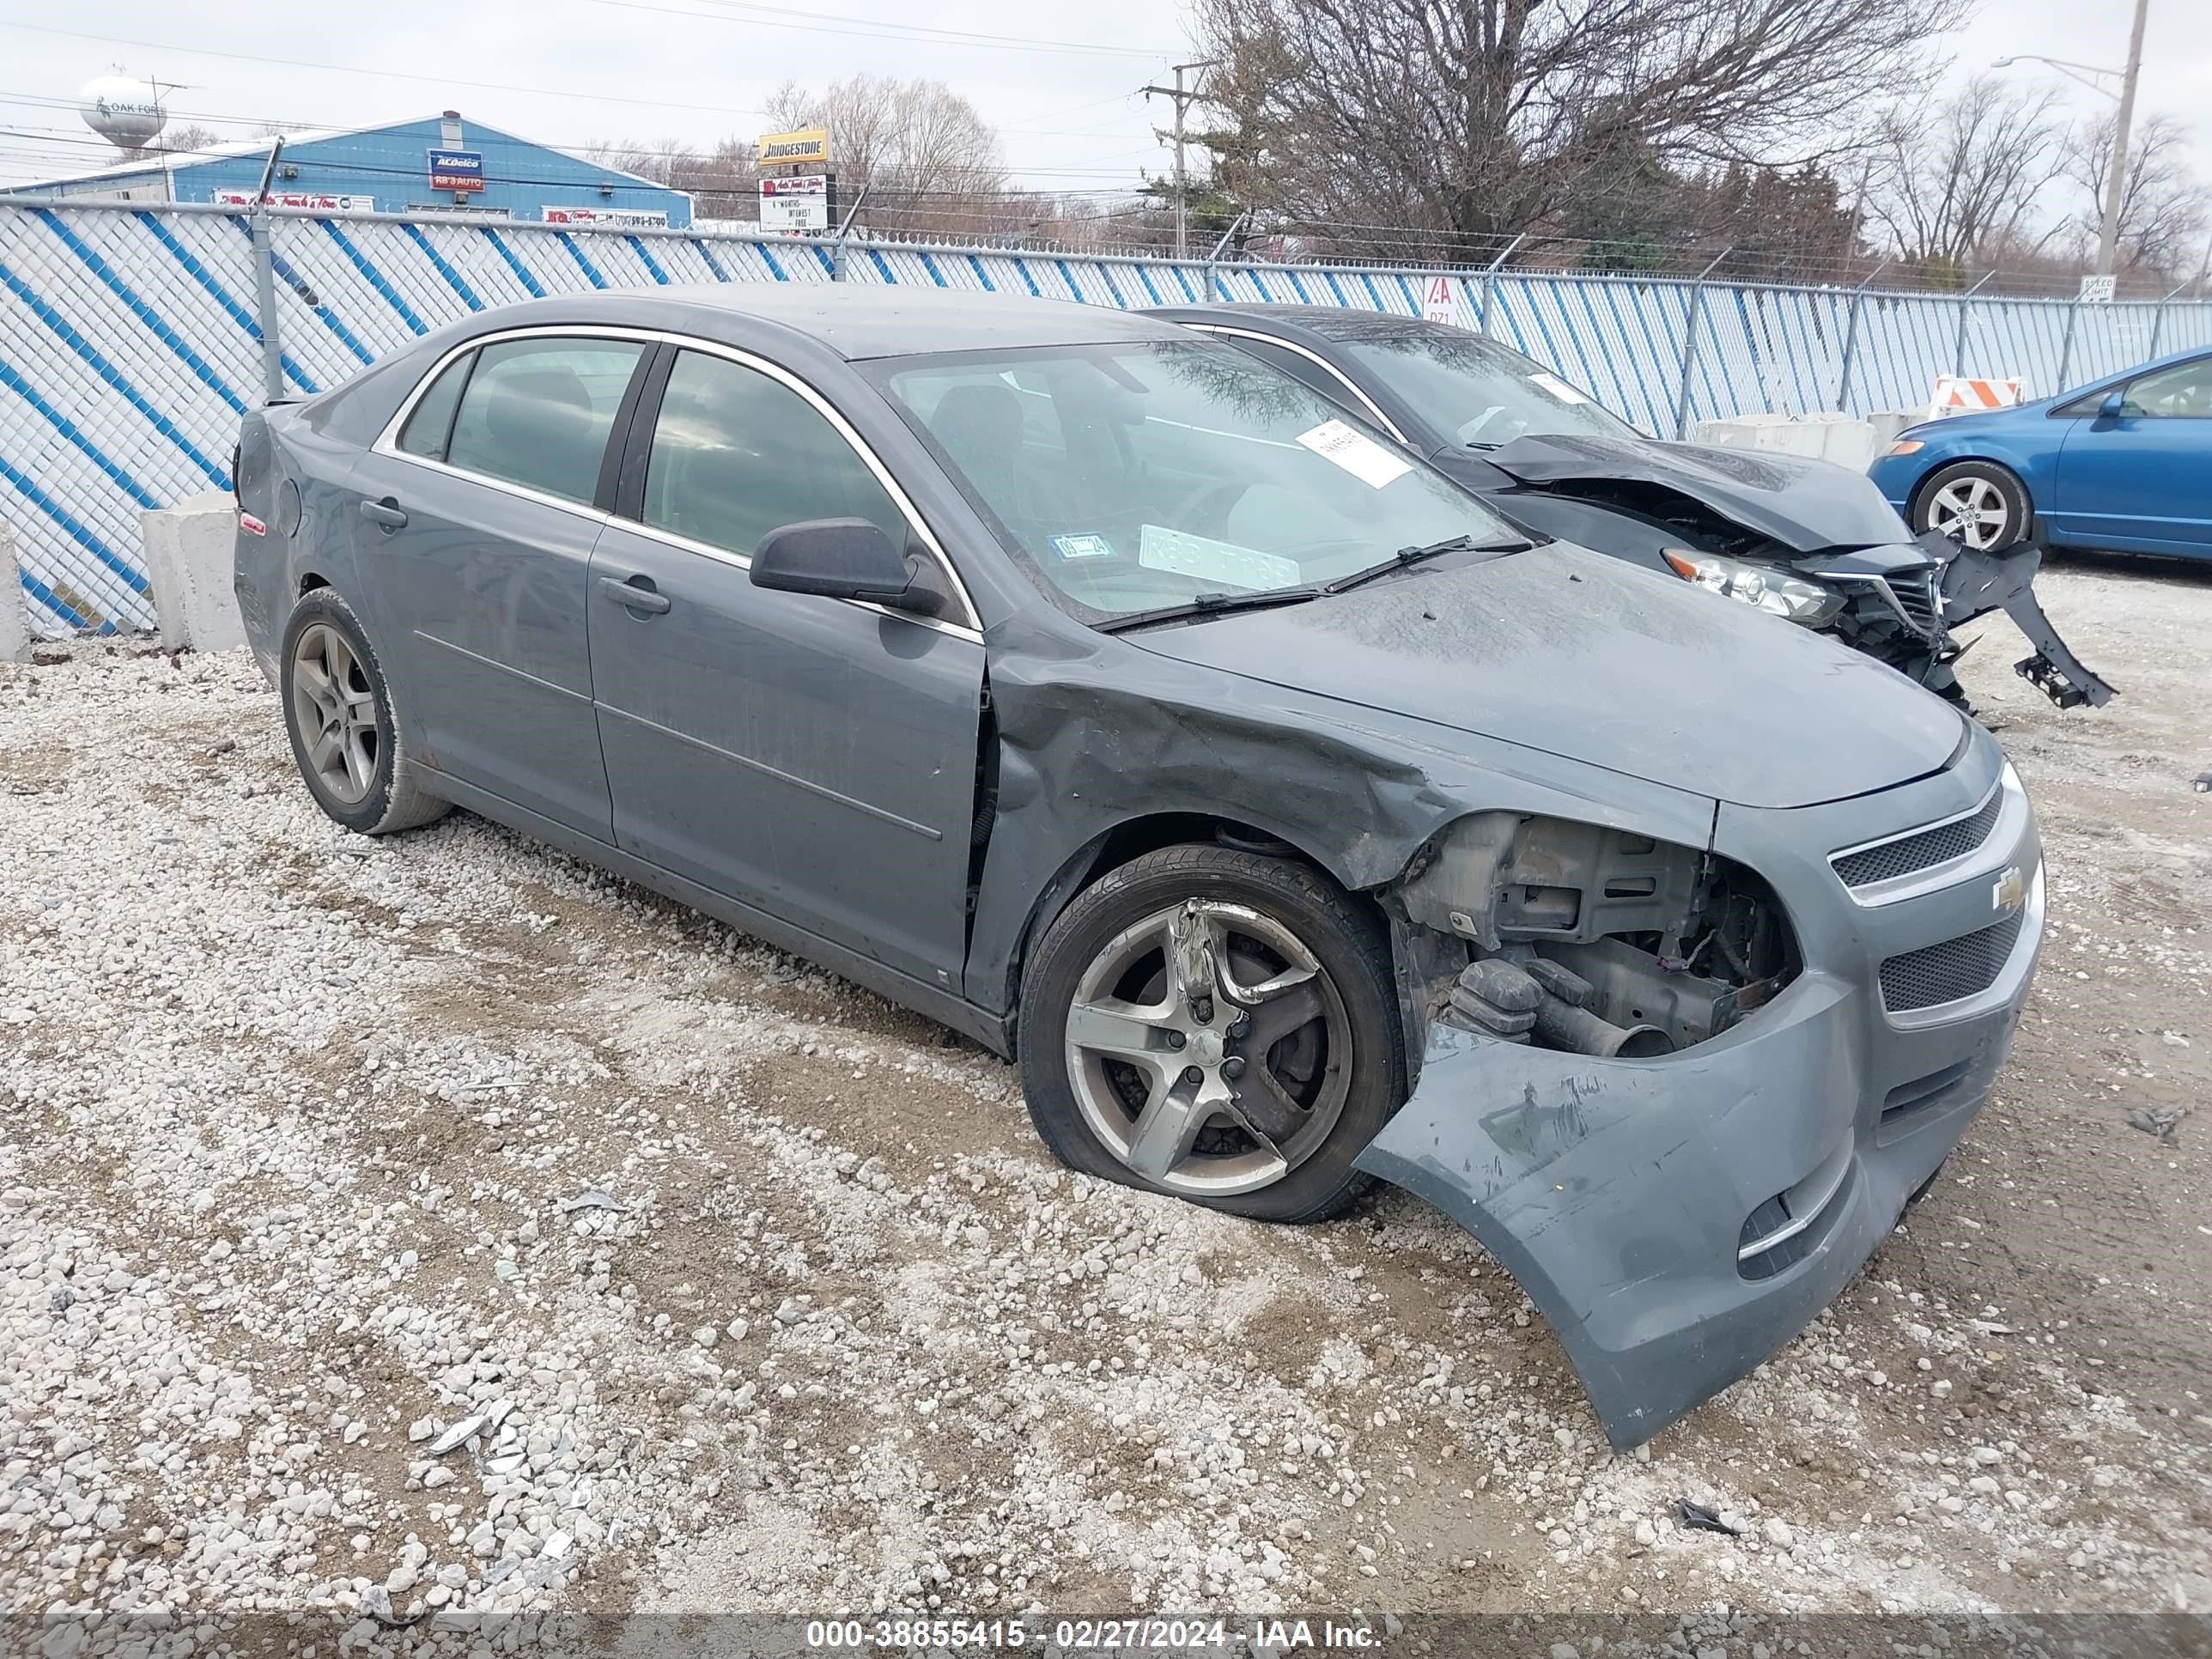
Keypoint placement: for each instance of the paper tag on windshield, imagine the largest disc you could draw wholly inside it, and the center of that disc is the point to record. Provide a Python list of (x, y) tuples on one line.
[(1203, 559), (1356, 453), (1083, 547), (1557, 387)]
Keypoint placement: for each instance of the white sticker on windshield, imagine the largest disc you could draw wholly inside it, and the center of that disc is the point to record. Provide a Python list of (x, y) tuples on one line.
[(1206, 559), (1356, 453), (1557, 387)]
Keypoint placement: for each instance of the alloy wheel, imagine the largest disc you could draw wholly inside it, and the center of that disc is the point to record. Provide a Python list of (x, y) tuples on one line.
[(335, 708), (1971, 509), (1208, 1049)]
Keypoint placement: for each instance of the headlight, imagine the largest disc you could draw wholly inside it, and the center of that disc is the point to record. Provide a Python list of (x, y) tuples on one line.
[(1907, 446), (1770, 591)]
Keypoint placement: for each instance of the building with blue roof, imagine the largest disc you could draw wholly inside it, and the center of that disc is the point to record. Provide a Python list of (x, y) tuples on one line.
[(437, 165)]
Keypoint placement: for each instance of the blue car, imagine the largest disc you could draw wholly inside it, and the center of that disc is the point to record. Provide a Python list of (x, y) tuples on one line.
[(2124, 464)]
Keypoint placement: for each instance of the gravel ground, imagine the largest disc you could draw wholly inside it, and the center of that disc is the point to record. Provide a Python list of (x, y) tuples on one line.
[(733, 1287)]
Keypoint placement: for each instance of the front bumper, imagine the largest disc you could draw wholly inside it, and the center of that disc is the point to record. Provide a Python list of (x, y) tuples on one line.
[(1677, 1220)]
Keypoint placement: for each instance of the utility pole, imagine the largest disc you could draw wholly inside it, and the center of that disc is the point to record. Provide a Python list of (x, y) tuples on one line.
[(2116, 174), (1184, 100)]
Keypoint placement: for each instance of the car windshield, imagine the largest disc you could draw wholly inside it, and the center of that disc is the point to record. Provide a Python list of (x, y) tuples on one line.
[(1150, 474), (1479, 392)]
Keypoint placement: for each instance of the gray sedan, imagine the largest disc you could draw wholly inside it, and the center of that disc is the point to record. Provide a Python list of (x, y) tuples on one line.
[(1112, 696)]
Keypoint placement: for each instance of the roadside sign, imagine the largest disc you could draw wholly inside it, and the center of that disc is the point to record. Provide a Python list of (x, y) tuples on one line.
[(798, 204), (1438, 304), (624, 218), (807, 147), (2097, 290), (457, 169), (314, 201), (1957, 394)]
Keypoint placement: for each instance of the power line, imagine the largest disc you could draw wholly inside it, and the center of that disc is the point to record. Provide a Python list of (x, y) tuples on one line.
[(762, 16)]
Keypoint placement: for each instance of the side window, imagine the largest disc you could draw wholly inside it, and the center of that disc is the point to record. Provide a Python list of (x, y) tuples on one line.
[(2183, 392), (432, 421), (536, 411), (736, 454)]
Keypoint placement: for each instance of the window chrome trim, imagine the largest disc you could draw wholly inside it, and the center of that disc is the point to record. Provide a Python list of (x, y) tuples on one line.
[(387, 443), (1915, 883), (1314, 357)]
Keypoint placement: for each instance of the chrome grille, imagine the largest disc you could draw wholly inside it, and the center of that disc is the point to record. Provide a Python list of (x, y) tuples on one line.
[(1957, 967), (1922, 849), (1916, 596)]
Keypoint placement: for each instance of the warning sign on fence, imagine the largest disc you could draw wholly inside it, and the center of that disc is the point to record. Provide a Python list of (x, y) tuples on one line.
[(1438, 304)]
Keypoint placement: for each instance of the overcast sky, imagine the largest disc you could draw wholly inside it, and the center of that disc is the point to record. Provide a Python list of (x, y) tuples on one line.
[(570, 71)]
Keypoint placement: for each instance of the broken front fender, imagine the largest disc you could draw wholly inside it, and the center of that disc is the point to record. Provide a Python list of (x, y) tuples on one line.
[(1975, 584), (1676, 1221)]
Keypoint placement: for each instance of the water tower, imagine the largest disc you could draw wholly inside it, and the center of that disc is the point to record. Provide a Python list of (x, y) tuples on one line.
[(127, 113)]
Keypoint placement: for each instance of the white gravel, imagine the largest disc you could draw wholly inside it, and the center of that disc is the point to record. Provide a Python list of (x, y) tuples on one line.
[(735, 1288)]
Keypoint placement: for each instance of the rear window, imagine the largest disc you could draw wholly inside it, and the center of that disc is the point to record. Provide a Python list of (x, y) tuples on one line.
[(536, 411), (431, 421)]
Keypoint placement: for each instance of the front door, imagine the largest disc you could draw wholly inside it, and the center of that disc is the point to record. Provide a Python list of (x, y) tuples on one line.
[(478, 526), (811, 757), (2135, 480)]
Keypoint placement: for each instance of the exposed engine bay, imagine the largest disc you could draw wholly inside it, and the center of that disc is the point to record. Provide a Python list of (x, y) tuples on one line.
[(1588, 940)]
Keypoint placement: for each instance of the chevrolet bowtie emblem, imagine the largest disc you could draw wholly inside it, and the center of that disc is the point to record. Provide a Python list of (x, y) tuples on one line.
[(2009, 891)]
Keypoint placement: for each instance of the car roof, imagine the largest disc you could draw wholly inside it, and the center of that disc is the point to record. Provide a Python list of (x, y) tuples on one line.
[(852, 320), (1328, 322)]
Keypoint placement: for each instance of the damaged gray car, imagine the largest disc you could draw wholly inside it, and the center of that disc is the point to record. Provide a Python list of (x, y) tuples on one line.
[(1097, 690)]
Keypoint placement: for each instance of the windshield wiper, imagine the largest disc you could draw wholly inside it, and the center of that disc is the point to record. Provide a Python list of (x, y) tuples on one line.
[(1209, 604), (1405, 555)]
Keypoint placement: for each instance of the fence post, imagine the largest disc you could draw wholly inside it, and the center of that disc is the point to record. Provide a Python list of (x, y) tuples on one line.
[(1851, 339), (1695, 313), (1490, 271), (265, 283), (1235, 225), (2158, 317), (2066, 345), (845, 230), (1966, 311)]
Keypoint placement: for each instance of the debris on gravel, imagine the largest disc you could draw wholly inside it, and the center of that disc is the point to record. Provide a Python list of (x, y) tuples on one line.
[(315, 1292)]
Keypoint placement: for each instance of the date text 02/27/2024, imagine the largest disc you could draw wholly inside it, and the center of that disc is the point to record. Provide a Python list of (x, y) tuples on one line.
[(1083, 1635)]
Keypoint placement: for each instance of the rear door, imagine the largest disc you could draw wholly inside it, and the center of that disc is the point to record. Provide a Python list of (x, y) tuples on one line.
[(479, 513), (2136, 481), (812, 757)]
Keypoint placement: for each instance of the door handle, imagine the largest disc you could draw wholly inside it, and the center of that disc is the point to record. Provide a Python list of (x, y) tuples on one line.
[(386, 512), (635, 594)]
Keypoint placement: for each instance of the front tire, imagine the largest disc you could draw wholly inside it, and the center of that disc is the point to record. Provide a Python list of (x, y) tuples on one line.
[(346, 737), (1979, 503), (1218, 1025)]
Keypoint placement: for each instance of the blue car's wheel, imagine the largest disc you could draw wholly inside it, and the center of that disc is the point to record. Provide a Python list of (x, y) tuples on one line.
[(1979, 503)]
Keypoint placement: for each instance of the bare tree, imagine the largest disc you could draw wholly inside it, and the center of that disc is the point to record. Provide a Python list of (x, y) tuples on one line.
[(1480, 118), (930, 160), (188, 140), (2164, 207), (1966, 181)]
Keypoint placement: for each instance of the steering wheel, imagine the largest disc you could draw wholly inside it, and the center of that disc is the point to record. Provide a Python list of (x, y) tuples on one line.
[(1200, 505)]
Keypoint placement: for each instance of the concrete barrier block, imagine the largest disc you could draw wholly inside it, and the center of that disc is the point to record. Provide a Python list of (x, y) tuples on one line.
[(188, 563), (15, 614), (1841, 439)]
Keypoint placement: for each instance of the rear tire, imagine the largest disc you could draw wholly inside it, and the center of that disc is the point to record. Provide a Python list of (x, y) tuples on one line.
[(1294, 1037), (1980, 503), (347, 737)]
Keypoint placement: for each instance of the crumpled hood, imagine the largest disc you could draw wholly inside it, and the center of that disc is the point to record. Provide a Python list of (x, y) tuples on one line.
[(1570, 651), (1806, 504)]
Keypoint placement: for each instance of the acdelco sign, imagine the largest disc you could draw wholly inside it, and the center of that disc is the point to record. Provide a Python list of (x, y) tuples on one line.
[(457, 169), (808, 146)]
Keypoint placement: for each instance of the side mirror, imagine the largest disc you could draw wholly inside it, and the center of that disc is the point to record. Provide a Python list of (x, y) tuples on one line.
[(2115, 405), (841, 559)]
